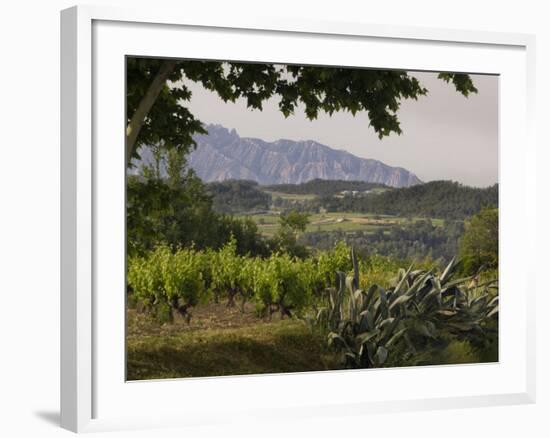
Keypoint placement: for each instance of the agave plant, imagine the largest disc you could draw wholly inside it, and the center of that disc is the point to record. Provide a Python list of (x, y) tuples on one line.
[(364, 324), (361, 324), (434, 303)]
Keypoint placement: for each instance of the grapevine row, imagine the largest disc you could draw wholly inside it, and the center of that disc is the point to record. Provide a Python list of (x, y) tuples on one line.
[(179, 280)]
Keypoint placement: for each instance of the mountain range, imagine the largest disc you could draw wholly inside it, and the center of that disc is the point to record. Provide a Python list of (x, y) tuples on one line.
[(222, 154)]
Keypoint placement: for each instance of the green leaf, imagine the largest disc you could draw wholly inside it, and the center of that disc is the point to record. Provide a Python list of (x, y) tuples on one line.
[(423, 330), (400, 300), (337, 341), (395, 337), (381, 356), (364, 337), (449, 270), (446, 312)]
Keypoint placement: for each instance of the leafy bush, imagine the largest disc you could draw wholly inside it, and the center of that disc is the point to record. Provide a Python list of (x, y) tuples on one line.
[(179, 213), (330, 262), (226, 265), (165, 281), (263, 280), (283, 284), (182, 280), (291, 287), (250, 267), (377, 269), (479, 244)]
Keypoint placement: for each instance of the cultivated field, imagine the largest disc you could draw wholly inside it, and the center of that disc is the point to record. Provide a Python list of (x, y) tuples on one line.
[(368, 223), (290, 196)]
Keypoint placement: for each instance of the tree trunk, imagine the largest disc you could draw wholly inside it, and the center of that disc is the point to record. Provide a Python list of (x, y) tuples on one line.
[(145, 105)]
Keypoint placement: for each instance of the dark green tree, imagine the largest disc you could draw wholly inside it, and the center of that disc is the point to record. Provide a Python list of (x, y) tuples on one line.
[(479, 244), (291, 224), (177, 211), (156, 93), (174, 211), (294, 221)]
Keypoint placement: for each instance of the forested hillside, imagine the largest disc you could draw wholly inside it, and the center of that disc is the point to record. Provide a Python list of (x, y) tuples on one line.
[(413, 241), (234, 196), (436, 199)]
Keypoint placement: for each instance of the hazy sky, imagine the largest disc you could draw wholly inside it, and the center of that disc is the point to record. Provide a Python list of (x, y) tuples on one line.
[(445, 135)]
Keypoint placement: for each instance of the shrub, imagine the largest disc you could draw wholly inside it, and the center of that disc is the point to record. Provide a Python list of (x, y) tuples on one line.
[(226, 265), (165, 281), (479, 244), (283, 284)]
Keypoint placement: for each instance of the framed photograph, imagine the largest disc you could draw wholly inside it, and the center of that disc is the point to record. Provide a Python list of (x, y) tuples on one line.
[(283, 217)]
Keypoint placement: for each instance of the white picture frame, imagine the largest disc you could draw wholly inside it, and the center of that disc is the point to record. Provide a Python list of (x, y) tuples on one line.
[(94, 42)]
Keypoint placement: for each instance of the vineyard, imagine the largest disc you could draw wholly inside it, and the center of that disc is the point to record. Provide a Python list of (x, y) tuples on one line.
[(168, 282), (332, 310)]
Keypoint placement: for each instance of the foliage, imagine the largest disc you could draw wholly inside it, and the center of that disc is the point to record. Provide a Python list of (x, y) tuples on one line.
[(165, 279), (435, 199), (280, 283), (333, 261), (291, 225), (290, 288), (411, 241), (174, 211), (294, 221), (226, 265), (234, 196), (249, 270), (462, 82), (443, 305), (245, 231), (479, 244), (177, 211), (380, 270), (378, 93), (360, 325)]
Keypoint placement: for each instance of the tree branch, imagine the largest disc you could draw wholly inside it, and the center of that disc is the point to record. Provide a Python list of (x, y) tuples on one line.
[(145, 105)]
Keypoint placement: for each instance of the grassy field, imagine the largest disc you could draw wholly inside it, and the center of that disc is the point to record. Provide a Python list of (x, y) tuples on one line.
[(221, 341), (269, 222), (290, 196)]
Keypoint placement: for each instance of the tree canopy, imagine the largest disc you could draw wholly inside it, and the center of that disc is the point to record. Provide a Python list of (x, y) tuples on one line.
[(479, 244), (177, 211), (156, 94)]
